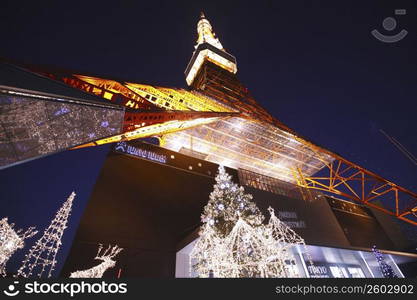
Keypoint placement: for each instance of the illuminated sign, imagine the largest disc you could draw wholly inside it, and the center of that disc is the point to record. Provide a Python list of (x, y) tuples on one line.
[(318, 271), (340, 270), (290, 218), (123, 147)]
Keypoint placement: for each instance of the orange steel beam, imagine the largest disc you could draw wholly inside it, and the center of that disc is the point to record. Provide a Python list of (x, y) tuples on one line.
[(351, 181), (137, 124), (111, 90), (135, 119)]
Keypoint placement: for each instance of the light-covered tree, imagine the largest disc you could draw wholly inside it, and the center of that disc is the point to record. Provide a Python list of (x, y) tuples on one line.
[(41, 259), (235, 243), (227, 204)]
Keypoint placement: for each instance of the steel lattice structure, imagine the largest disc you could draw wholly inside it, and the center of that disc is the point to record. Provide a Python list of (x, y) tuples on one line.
[(347, 179)]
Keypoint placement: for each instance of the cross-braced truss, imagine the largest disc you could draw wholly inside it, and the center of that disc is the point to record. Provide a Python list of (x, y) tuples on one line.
[(346, 179), (149, 124)]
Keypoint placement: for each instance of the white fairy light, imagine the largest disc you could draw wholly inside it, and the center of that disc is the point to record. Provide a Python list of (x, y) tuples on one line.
[(41, 258), (281, 239), (224, 195), (107, 262), (237, 244), (10, 241)]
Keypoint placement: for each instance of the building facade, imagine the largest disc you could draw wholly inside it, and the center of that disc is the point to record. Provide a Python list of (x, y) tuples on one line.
[(149, 200)]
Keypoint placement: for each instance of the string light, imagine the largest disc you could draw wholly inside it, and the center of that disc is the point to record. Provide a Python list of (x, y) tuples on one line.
[(10, 241), (41, 258), (386, 270), (227, 203), (107, 262)]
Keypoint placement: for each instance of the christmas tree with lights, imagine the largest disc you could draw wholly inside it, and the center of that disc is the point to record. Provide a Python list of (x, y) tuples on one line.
[(41, 259), (205, 257), (227, 204), (233, 241), (385, 268)]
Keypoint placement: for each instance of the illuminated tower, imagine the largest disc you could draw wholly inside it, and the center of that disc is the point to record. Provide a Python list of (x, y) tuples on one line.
[(208, 48), (212, 71)]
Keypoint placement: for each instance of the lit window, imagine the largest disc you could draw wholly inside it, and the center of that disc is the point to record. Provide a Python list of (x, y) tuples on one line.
[(107, 95), (199, 164), (172, 157), (190, 167)]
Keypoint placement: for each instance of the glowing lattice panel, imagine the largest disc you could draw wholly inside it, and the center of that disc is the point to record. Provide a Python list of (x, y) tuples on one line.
[(156, 129), (177, 99), (107, 89), (107, 84), (33, 127), (249, 145)]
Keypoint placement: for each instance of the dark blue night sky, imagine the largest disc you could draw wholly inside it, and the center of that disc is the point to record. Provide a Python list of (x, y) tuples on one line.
[(313, 64)]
